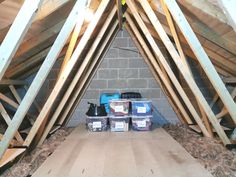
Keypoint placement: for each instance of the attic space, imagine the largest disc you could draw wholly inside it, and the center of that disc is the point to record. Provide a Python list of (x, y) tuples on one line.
[(117, 88)]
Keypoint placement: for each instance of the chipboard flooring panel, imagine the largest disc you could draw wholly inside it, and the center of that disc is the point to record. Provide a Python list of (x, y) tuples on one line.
[(120, 154)]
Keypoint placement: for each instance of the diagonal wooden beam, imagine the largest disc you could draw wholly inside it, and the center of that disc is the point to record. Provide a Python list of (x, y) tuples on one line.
[(16, 33), (165, 64), (89, 74), (151, 61), (202, 58), (60, 82), (78, 75), (8, 121), (41, 75), (184, 59), (72, 43), (9, 101), (188, 78)]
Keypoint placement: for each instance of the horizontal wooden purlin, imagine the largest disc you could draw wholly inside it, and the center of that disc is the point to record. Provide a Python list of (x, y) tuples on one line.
[(12, 82)]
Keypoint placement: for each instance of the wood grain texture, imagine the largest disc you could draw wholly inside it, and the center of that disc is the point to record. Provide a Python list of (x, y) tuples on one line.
[(124, 154)]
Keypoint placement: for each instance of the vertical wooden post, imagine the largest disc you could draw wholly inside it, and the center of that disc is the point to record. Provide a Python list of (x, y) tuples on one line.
[(119, 13)]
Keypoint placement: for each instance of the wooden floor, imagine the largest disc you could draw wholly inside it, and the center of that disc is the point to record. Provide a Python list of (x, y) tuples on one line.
[(129, 154)]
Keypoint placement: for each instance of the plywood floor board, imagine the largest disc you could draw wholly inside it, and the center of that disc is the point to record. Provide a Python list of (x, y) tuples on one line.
[(123, 154)]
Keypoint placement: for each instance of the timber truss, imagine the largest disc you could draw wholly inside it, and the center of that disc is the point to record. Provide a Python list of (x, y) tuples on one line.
[(83, 44)]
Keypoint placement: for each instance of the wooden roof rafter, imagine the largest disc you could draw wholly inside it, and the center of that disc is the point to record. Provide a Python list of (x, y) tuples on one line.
[(16, 33), (41, 75)]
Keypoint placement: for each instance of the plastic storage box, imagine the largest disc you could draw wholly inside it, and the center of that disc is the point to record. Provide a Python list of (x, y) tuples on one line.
[(97, 124), (142, 123), (105, 97), (119, 124), (119, 107), (141, 107)]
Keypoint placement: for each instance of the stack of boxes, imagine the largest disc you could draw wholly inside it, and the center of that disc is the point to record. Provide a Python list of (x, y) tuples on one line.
[(141, 115), (119, 115)]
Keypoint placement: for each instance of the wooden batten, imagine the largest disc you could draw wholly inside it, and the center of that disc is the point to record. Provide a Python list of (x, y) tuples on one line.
[(119, 13)]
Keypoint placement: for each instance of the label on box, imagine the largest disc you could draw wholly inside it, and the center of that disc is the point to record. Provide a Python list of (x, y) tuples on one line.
[(141, 124), (119, 125), (119, 108), (141, 110), (97, 124)]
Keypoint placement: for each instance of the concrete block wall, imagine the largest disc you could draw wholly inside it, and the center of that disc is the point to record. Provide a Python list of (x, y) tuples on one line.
[(123, 69)]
